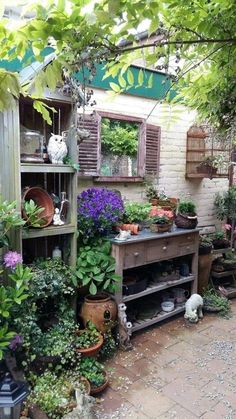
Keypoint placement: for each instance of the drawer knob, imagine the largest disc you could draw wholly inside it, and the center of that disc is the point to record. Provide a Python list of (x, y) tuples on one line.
[(188, 247), (136, 254), (164, 248)]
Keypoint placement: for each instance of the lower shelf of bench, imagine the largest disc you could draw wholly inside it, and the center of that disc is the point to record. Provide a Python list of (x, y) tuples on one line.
[(141, 324)]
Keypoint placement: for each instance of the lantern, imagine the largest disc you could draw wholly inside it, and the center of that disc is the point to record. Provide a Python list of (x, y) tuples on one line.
[(12, 394)]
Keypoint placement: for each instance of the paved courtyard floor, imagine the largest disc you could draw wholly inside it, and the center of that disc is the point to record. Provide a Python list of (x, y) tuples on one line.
[(175, 371)]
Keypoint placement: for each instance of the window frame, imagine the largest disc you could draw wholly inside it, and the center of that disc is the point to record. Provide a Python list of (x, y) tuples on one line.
[(141, 148)]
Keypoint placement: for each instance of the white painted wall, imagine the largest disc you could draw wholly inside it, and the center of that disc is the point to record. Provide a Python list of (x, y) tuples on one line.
[(174, 125)]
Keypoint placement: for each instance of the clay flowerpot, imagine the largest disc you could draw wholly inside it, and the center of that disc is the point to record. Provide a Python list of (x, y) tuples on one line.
[(95, 390), (43, 200), (154, 201), (133, 228), (98, 308), (93, 350)]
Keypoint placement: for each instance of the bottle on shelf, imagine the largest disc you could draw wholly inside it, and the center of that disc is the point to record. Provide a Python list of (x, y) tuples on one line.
[(56, 253), (45, 153), (64, 209)]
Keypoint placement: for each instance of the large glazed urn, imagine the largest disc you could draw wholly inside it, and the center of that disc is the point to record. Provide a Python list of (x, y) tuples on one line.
[(99, 309)]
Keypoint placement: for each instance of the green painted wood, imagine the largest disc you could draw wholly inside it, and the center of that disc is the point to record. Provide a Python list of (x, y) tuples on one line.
[(46, 168), (10, 163)]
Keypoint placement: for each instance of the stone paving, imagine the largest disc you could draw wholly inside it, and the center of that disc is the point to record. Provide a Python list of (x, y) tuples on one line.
[(175, 370)]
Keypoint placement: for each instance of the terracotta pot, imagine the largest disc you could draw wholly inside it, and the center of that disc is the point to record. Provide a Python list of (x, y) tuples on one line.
[(86, 383), (93, 350), (42, 199), (154, 201), (97, 308), (95, 390), (204, 269), (132, 227)]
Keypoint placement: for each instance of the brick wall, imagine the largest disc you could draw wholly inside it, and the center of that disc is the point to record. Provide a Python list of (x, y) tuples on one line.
[(174, 125)]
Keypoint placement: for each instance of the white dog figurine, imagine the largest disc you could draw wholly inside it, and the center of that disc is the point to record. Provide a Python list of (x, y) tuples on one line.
[(193, 308)]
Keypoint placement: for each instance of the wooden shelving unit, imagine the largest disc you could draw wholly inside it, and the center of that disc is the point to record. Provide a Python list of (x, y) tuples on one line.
[(148, 248), (51, 177)]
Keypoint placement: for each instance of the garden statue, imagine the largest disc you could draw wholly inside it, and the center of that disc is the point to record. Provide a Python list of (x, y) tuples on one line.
[(125, 328), (83, 410), (57, 149), (193, 308), (57, 219)]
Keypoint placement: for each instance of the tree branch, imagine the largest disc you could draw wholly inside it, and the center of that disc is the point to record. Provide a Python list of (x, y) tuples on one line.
[(182, 42)]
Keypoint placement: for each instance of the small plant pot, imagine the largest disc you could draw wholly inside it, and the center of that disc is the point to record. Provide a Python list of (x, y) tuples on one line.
[(221, 244), (96, 390), (86, 384), (93, 350), (160, 228), (133, 228)]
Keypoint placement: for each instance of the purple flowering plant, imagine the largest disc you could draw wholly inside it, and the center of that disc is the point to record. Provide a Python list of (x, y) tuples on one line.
[(98, 210), (11, 259)]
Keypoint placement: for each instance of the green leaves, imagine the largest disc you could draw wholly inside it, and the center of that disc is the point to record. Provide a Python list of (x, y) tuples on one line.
[(96, 268), (43, 109)]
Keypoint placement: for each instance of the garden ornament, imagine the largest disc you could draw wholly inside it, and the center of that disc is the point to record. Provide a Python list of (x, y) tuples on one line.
[(125, 328), (193, 308), (83, 410), (57, 149), (123, 235), (57, 219)]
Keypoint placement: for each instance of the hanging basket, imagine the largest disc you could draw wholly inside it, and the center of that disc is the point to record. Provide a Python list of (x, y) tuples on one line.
[(186, 221)]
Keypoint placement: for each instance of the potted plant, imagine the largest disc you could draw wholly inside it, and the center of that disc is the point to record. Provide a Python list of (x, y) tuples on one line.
[(94, 371), (225, 204), (219, 240), (151, 192), (215, 302), (211, 164), (96, 270), (186, 217), (134, 216), (98, 210), (52, 394), (88, 341), (161, 220), (205, 245), (160, 224)]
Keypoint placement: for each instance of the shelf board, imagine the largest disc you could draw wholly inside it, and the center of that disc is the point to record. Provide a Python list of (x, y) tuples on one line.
[(32, 233), (141, 324), (46, 168), (155, 288), (224, 250), (223, 274), (204, 175)]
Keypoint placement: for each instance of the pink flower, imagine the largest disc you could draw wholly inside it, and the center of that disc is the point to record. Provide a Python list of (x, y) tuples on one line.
[(11, 259), (227, 226)]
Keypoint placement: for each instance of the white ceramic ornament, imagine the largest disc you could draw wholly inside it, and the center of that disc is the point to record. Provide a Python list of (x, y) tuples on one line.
[(57, 149)]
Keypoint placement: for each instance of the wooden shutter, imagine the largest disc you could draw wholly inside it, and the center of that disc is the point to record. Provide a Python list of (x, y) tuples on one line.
[(89, 148), (153, 136)]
